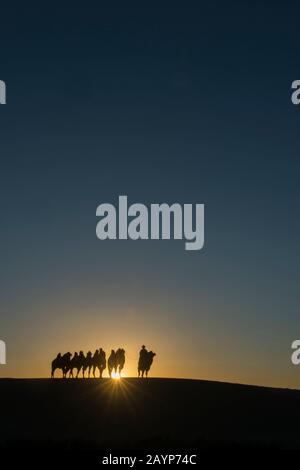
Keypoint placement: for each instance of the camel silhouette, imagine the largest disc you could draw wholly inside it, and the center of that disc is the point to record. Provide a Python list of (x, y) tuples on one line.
[(145, 362), (62, 363), (116, 361)]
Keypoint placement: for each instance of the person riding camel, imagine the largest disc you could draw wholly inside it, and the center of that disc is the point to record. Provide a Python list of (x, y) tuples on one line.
[(143, 354)]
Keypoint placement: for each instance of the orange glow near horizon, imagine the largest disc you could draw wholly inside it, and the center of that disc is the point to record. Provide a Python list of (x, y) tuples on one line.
[(180, 351)]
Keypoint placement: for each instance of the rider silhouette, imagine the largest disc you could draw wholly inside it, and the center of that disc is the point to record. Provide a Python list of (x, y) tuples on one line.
[(143, 353)]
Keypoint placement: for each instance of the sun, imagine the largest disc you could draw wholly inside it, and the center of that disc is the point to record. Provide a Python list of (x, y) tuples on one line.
[(115, 376)]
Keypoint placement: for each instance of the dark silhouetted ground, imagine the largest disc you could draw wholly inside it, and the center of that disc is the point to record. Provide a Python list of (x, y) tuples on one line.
[(150, 414)]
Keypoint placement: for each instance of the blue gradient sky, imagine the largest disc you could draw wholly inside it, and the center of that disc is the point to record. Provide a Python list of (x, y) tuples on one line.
[(188, 105)]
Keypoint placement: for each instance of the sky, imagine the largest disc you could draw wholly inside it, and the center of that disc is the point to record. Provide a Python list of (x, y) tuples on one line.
[(184, 104)]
